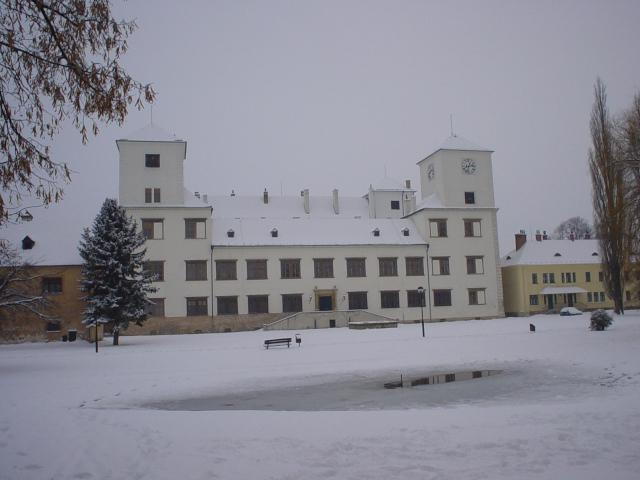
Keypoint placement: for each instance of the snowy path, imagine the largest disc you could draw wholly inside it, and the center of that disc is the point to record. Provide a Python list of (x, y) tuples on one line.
[(566, 405)]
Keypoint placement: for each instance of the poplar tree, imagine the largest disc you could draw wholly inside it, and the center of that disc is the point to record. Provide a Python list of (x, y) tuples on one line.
[(611, 199), (116, 286)]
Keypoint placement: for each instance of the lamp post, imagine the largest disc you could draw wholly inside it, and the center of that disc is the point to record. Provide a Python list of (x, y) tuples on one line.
[(421, 293), (428, 283)]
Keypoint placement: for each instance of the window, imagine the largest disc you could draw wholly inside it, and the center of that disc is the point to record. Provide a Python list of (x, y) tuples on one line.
[(589, 297), (195, 228), (568, 277), (274, 232), (587, 276), (358, 301), (600, 276), (475, 265), (256, 269), (356, 267), (440, 265), (438, 228), (442, 298), (469, 198), (552, 278), (415, 299), (258, 303), (563, 277), (573, 274), (390, 299), (292, 303), (289, 268), (197, 306), (472, 228), (156, 307), (153, 228), (602, 297), (376, 232), (152, 160), (154, 269), (395, 205), (533, 299), (152, 195), (534, 278), (225, 270), (323, 267), (388, 267), (51, 285), (196, 270), (53, 326), (477, 296), (227, 305), (415, 266)]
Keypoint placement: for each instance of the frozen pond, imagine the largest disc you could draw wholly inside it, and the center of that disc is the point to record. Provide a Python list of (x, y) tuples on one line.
[(520, 382)]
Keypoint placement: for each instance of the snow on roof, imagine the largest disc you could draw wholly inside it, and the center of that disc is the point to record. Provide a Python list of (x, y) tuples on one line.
[(152, 133), (454, 142), (432, 201), (56, 233), (290, 207), (388, 183), (307, 232), (553, 252)]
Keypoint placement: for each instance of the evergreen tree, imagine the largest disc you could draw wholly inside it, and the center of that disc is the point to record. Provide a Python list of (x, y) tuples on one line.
[(116, 287)]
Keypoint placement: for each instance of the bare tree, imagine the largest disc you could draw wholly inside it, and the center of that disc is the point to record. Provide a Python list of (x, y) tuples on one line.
[(58, 61), (21, 289), (575, 227), (610, 196)]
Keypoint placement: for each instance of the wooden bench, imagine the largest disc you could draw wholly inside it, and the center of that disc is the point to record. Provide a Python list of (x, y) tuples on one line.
[(277, 341)]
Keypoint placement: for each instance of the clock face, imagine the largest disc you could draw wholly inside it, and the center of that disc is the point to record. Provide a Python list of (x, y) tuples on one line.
[(431, 172), (468, 166)]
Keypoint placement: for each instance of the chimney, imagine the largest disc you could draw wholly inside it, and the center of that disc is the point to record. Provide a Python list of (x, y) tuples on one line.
[(538, 236), (305, 195), (205, 198), (233, 193), (265, 196), (336, 206), (407, 183), (198, 194), (544, 235), (587, 236), (521, 239)]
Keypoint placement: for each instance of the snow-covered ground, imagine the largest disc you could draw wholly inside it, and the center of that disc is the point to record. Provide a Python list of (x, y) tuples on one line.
[(566, 405)]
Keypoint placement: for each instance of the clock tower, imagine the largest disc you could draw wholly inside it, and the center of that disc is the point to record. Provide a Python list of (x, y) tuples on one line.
[(459, 173)]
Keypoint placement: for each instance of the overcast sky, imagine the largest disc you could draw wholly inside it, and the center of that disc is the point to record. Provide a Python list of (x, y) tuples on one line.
[(330, 94)]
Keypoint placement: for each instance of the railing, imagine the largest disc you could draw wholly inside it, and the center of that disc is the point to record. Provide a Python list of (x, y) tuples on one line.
[(324, 319)]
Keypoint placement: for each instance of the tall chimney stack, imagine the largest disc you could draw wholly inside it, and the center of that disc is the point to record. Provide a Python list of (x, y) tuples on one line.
[(265, 196), (521, 239)]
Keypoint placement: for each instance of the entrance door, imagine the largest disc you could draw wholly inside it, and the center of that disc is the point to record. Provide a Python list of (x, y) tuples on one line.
[(550, 301), (325, 303), (571, 299)]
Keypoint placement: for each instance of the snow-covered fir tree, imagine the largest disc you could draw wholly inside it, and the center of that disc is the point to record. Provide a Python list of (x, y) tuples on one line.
[(116, 286)]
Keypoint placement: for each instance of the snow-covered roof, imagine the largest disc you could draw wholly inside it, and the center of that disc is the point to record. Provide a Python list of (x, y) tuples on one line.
[(455, 142), (317, 231), (388, 183), (432, 201), (56, 232), (287, 207), (553, 252), (152, 133)]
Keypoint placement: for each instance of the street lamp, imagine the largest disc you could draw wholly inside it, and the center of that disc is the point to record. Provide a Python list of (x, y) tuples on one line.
[(421, 293)]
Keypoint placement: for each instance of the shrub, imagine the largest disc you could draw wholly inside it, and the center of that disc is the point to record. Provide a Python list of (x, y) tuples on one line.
[(600, 320)]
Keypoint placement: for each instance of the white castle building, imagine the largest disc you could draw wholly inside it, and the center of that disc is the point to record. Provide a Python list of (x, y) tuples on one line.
[(227, 263)]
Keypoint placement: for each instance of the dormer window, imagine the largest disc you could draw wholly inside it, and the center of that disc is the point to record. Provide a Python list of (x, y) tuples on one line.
[(274, 232), (594, 254), (27, 243), (231, 234), (26, 216), (376, 232), (557, 255), (152, 160), (405, 232)]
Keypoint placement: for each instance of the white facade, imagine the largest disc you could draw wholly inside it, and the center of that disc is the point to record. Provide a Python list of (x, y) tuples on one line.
[(245, 261)]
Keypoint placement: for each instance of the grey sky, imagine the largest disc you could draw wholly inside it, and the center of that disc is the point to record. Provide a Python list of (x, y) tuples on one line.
[(329, 94)]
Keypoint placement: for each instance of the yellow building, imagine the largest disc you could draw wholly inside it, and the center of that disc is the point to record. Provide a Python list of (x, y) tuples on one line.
[(544, 276)]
